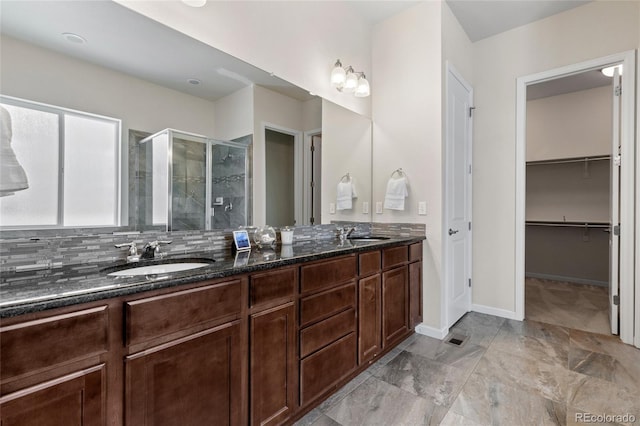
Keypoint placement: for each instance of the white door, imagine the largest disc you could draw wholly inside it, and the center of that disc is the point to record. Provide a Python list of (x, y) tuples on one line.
[(457, 233), (614, 239)]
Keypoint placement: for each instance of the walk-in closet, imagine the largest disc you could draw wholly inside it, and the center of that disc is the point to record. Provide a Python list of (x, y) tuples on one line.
[(569, 197)]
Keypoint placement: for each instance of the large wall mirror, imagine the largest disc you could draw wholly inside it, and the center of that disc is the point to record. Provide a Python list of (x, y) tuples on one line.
[(87, 66)]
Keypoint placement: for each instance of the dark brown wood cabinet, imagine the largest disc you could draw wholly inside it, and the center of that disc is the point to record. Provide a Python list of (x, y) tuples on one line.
[(273, 365), (415, 294), (192, 381), (369, 318), (76, 399), (395, 304)]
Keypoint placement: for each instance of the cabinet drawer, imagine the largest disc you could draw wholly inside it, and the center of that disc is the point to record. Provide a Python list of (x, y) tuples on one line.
[(394, 256), (327, 303), (37, 345), (327, 273), (369, 263), (327, 331), (415, 252), (161, 315), (270, 286), (323, 369)]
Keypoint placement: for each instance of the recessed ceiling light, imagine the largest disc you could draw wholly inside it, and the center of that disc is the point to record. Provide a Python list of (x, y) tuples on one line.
[(74, 38), (195, 3), (194, 81)]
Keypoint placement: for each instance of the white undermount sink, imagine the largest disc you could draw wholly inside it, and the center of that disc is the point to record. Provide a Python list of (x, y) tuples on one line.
[(157, 269)]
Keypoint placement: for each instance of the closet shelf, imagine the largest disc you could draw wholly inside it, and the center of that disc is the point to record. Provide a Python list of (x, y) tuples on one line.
[(569, 160), (569, 224)]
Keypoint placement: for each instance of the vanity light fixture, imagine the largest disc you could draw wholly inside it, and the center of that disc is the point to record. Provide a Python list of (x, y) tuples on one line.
[(347, 80), (608, 71)]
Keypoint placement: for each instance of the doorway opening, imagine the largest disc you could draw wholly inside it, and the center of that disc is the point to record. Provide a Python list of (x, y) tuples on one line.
[(280, 177), (574, 192)]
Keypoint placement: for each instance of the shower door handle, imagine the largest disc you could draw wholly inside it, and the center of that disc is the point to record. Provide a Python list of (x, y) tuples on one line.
[(451, 231)]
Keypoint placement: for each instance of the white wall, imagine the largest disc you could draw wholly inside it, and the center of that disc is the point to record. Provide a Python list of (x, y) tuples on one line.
[(298, 41), (574, 124), (346, 148), (586, 32), (407, 132), (234, 115), (312, 114)]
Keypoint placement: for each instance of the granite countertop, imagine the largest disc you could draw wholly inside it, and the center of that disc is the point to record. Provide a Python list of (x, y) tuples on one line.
[(34, 291)]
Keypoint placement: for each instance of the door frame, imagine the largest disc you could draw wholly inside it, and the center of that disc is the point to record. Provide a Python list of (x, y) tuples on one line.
[(298, 160), (627, 175), (306, 167), (444, 299)]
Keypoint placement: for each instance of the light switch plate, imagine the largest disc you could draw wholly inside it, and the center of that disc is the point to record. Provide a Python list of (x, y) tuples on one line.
[(332, 208), (422, 208), (365, 207), (379, 207)]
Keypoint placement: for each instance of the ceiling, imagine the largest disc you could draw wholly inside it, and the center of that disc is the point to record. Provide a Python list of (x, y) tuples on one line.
[(573, 83), (139, 45)]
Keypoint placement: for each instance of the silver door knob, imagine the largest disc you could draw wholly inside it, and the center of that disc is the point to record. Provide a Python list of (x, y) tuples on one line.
[(451, 231)]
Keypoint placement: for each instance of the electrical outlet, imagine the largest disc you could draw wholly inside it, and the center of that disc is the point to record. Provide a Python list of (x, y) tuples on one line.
[(332, 208), (379, 207), (422, 208), (365, 207)]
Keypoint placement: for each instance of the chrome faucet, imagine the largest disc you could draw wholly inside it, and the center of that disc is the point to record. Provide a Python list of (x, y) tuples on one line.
[(151, 249), (345, 232), (133, 255)]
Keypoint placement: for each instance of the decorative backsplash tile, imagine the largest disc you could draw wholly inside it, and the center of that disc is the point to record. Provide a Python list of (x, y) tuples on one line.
[(50, 249)]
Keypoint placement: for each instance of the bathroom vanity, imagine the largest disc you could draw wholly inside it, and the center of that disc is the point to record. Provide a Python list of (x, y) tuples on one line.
[(257, 344)]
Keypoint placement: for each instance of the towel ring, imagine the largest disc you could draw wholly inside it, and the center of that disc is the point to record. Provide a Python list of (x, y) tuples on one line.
[(347, 176), (398, 171)]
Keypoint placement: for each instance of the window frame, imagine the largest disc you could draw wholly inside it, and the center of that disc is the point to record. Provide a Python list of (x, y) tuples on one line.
[(61, 113)]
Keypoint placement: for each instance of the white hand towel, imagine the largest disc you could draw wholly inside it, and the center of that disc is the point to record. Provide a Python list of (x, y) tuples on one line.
[(396, 193), (345, 194)]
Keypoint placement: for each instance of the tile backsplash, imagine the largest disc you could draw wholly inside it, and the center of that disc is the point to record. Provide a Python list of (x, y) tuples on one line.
[(21, 250)]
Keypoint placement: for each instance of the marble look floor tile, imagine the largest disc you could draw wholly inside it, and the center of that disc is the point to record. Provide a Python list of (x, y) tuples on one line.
[(377, 403), (344, 391), (625, 367), (489, 401), (479, 328), (465, 357), (454, 419), (309, 418), (580, 418), (592, 363), (599, 396), (546, 380), (325, 420), (533, 340), (432, 380)]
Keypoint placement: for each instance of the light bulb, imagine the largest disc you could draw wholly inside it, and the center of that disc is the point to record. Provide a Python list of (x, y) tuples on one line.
[(338, 75), (610, 70), (363, 90), (351, 82)]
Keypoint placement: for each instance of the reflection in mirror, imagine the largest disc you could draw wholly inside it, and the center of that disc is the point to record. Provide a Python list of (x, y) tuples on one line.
[(150, 78)]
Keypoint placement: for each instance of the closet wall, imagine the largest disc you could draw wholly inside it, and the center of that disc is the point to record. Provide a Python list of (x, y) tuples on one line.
[(568, 185)]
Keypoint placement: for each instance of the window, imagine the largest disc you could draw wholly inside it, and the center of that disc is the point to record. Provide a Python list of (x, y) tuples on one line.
[(72, 163)]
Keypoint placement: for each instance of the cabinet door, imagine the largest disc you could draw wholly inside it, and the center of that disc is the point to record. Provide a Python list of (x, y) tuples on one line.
[(273, 365), (76, 399), (193, 381), (395, 316), (369, 318), (415, 294)]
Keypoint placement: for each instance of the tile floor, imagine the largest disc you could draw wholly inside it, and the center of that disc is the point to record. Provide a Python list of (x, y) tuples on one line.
[(505, 373), (579, 306)]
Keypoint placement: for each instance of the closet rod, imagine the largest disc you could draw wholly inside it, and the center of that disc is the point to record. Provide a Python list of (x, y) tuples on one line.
[(569, 224), (569, 160)]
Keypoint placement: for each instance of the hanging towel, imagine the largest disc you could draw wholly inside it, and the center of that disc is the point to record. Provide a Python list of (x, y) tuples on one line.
[(345, 194), (396, 193)]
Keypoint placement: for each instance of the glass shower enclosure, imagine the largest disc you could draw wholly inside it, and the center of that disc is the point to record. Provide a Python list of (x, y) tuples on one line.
[(191, 182)]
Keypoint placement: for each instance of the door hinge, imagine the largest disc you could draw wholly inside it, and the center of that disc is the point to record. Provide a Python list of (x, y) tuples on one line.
[(469, 168), (469, 282), (616, 230), (618, 91), (616, 300), (313, 148), (471, 111), (313, 184), (469, 226), (312, 220)]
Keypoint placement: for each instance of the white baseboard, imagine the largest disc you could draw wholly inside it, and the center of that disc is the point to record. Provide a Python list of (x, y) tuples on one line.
[(432, 331), (503, 313), (568, 279)]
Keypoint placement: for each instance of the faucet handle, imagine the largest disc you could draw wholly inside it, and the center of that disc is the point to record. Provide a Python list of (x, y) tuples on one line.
[(133, 249), (155, 245)]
